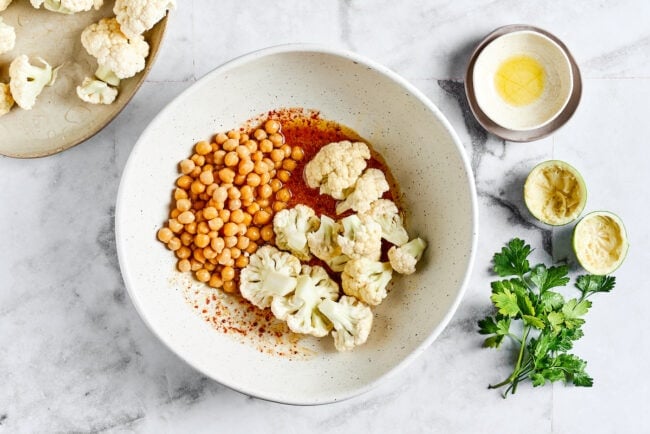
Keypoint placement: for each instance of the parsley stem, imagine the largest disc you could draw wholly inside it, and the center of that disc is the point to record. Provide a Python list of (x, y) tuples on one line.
[(513, 378)]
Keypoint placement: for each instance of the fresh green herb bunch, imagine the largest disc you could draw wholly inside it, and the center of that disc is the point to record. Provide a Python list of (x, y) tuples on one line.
[(550, 323)]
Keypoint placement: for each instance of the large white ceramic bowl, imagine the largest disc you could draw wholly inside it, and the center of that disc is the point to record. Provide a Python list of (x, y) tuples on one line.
[(424, 154)]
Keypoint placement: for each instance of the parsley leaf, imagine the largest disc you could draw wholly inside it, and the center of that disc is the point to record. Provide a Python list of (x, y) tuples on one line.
[(549, 324), (512, 261)]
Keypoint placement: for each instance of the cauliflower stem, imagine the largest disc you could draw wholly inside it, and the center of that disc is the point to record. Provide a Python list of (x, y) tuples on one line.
[(352, 321)]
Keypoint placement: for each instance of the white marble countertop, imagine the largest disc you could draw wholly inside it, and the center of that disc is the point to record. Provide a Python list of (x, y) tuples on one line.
[(75, 356)]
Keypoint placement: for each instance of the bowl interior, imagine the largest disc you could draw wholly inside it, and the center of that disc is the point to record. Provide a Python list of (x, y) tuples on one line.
[(557, 88), (425, 157)]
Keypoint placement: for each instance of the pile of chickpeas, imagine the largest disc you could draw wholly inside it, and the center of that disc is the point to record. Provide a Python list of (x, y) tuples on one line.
[(225, 200)]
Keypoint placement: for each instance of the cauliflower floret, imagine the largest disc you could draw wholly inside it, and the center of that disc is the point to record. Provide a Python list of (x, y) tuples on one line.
[(366, 280), (6, 100), (336, 167), (404, 258), (117, 55), (291, 227), (323, 244), (96, 92), (361, 237), (369, 187), (28, 81), (68, 6), (352, 321), (137, 16), (7, 36), (4, 4), (299, 309), (385, 212), (269, 273)]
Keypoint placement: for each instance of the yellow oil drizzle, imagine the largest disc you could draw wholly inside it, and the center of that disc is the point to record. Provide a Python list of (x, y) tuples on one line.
[(520, 80)]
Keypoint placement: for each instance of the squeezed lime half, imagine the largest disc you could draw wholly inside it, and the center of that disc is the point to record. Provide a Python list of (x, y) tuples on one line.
[(555, 192), (600, 242)]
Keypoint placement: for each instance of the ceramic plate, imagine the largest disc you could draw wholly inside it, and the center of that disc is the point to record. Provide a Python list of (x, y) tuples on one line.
[(239, 346), (60, 120)]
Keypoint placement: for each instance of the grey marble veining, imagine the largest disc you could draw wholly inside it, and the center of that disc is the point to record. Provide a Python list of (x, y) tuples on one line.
[(75, 356)]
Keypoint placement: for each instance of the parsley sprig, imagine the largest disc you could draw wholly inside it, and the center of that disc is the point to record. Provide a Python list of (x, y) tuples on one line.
[(551, 324)]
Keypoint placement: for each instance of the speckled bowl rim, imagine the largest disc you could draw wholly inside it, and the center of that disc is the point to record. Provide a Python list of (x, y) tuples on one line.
[(317, 49), (525, 135)]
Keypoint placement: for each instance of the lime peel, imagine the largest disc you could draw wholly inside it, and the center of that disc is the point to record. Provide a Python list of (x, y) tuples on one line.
[(555, 192), (600, 242)]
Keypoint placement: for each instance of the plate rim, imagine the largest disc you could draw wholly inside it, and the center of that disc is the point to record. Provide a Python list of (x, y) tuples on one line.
[(346, 54)]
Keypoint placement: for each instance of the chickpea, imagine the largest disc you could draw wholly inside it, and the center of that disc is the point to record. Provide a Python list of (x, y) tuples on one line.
[(230, 241), (175, 225), (245, 167), (234, 134), (199, 160), (227, 273), (247, 219), (198, 255), (190, 228), (197, 170), (265, 178), (241, 262), (220, 194), (272, 126), (243, 137), (284, 175), (283, 195), (183, 265), (263, 203), (231, 159), (210, 213), (201, 240), (213, 234), (275, 184), (278, 206), (243, 152), (266, 146), (253, 233), (218, 157), (240, 179), (227, 175), (242, 229), (186, 217), (264, 191), (261, 167), (261, 217), (220, 138), (267, 232), (207, 178), (197, 187), (202, 228), (277, 155), (230, 229), (234, 193), (234, 204), (243, 242), (253, 208), (165, 234), (174, 213), (286, 149), (186, 238), (224, 215), (251, 145), (202, 147), (252, 247), (183, 252), (289, 165), (259, 134), (184, 182), (215, 224), (183, 205), (297, 153), (257, 156), (174, 244), (230, 145), (253, 179), (246, 192), (202, 275), (197, 205), (210, 189), (179, 193), (236, 216), (186, 166), (215, 281), (224, 256), (217, 244), (209, 253), (209, 266), (229, 286)]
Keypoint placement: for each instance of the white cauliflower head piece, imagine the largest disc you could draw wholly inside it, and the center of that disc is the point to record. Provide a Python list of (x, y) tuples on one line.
[(7, 36), (96, 92), (117, 55), (361, 237), (4, 4), (336, 167), (370, 186), (6, 100), (68, 6), (27, 81), (366, 280), (299, 309), (291, 227), (138, 16), (352, 321), (270, 273), (404, 258), (324, 245), (385, 212)]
